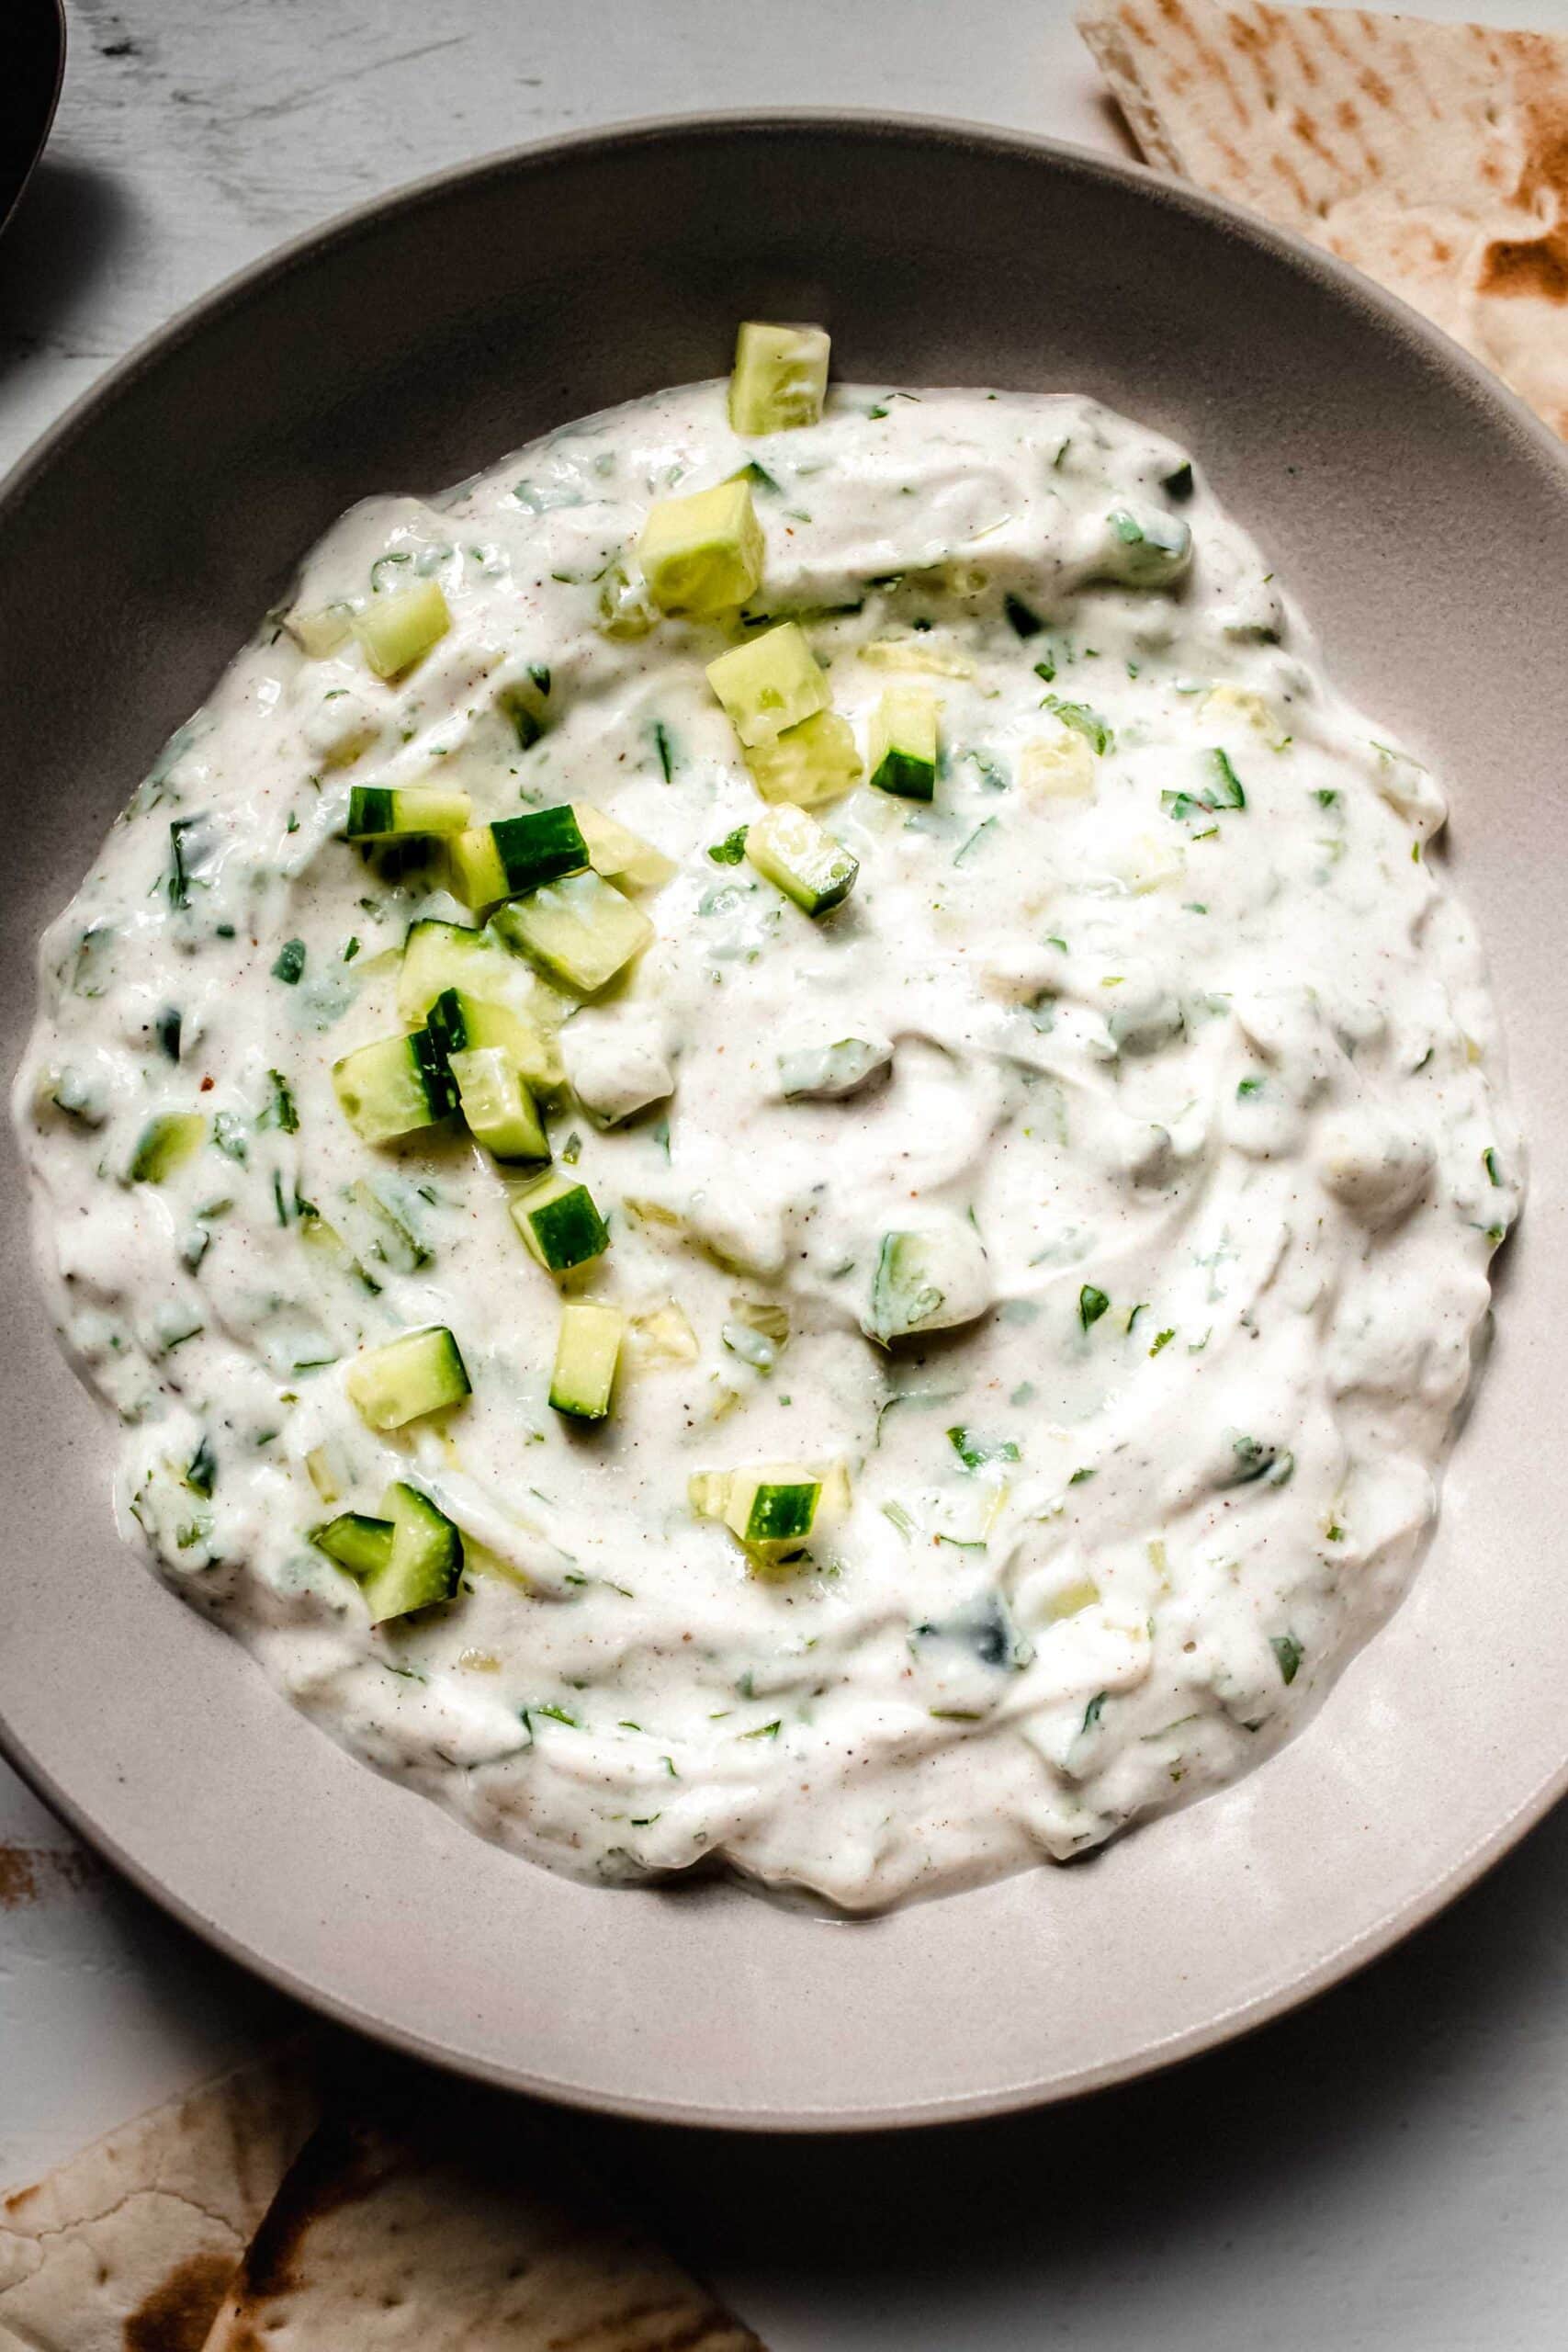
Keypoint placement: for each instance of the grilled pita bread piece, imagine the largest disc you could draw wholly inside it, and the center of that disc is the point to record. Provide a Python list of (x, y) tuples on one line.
[(449, 2234), (1433, 157), (130, 2246)]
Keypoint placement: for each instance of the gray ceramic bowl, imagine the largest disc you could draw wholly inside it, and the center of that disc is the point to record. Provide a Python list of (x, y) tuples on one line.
[(1422, 516)]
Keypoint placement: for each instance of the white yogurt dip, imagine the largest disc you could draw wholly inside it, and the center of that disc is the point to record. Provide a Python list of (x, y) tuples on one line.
[(1157, 1028)]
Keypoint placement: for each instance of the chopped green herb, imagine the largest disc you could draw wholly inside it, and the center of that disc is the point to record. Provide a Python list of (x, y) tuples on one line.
[(765, 1731), (1289, 1653), (732, 849), (1095, 1709), (1226, 790), (974, 1451), (1162, 1340), (1489, 1161), (201, 1471), (1092, 1305), (289, 963), (664, 750), (281, 1111), (1021, 617), (1096, 732)]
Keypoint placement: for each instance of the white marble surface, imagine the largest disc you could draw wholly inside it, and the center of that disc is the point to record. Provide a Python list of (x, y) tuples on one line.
[(1382, 2174)]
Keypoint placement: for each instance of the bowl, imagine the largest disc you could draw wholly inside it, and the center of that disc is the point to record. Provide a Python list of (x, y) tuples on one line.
[(1422, 517)]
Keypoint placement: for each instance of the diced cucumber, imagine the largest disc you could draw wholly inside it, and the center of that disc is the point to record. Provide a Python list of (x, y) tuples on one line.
[(662, 1335), (419, 1373), (827, 1072), (524, 703), (707, 1491), (464, 1024), (438, 955), (813, 761), (166, 1143), (581, 930), (473, 870), (557, 1220), (808, 866), (703, 555), (774, 1504), (396, 629), (1145, 546), (423, 1563), (618, 854), (927, 1280), (587, 1351), (356, 1542), (902, 751), (499, 1111), (441, 955), (377, 815), (318, 632), (394, 1086), (780, 377), (516, 853), (773, 682), (1059, 767), (323, 1471)]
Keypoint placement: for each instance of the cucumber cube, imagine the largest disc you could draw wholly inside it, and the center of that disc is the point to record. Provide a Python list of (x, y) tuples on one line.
[(166, 1144), (1145, 546), (902, 751), (774, 1504), (397, 629), (929, 1280), (499, 1109), (561, 1225), (376, 815), (618, 854), (703, 555), (515, 854), (356, 1542), (1059, 767), (780, 377), (470, 1023), (394, 1086), (587, 1351), (581, 930), (773, 682), (813, 761), (474, 871), (439, 956), (524, 703), (320, 632), (826, 1073), (421, 1373), (425, 1560), (791, 849)]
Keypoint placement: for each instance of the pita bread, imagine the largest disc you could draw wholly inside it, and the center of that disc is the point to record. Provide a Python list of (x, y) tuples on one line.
[(130, 2246), (455, 2234), (1433, 157)]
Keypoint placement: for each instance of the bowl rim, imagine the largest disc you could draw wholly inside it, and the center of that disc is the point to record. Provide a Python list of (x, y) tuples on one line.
[(1446, 1884)]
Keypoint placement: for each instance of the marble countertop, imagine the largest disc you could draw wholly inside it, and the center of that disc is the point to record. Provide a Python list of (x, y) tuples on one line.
[(1383, 2170)]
